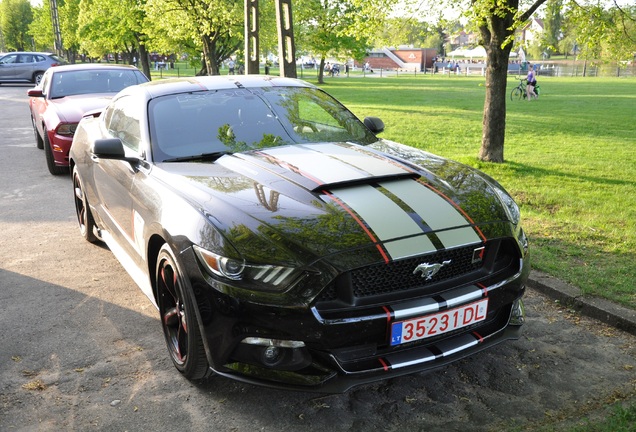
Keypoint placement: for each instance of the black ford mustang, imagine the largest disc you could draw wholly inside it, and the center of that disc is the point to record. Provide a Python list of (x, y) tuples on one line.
[(284, 244)]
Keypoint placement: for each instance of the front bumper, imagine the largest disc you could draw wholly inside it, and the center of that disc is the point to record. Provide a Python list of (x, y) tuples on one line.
[(61, 145), (331, 351)]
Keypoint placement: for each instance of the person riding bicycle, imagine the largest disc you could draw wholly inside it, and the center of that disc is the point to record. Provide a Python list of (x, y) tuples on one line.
[(532, 82)]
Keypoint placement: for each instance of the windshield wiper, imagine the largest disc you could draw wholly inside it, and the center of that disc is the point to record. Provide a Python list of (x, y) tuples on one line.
[(203, 157)]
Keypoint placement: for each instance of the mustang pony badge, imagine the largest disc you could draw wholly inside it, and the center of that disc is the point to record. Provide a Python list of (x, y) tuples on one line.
[(430, 270)]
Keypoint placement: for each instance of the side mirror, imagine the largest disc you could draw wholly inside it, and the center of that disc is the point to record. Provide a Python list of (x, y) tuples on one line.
[(374, 124), (108, 148), (35, 92)]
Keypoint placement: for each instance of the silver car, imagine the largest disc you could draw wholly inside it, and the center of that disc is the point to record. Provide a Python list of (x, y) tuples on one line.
[(26, 66)]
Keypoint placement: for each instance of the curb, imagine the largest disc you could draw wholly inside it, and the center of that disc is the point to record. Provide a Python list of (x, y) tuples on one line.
[(603, 310)]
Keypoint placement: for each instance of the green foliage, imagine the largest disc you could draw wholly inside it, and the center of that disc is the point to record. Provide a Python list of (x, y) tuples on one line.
[(108, 26), (338, 28), (603, 30), (41, 28), (552, 25), (15, 17), (68, 16), (212, 27)]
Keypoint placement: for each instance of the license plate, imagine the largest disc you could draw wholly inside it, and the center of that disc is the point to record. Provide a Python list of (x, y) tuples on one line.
[(438, 323)]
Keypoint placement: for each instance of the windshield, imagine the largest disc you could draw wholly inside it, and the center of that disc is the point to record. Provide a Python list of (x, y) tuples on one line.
[(236, 120), (70, 83)]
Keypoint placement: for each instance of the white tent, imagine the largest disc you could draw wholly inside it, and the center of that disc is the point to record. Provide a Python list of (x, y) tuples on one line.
[(522, 55), (477, 52)]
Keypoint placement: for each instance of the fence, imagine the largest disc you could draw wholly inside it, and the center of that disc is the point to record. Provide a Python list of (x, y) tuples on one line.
[(560, 69)]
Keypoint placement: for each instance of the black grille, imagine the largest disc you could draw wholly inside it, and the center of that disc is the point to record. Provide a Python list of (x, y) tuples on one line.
[(399, 276), (379, 279)]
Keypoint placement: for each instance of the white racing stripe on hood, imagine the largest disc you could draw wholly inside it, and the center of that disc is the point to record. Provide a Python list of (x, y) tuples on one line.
[(387, 220), (436, 212), (400, 233), (332, 163)]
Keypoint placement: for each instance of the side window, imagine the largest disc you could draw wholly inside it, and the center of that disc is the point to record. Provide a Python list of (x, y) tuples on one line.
[(123, 121), (10, 59)]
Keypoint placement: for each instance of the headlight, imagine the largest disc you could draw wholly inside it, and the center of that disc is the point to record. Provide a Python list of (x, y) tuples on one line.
[(511, 207), (66, 129), (252, 276)]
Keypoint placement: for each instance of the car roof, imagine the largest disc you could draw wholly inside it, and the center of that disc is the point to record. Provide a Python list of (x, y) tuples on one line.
[(164, 87), (26, 52), (91, 66)]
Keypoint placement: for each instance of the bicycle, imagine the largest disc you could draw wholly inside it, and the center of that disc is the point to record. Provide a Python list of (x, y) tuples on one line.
[(520, 91)]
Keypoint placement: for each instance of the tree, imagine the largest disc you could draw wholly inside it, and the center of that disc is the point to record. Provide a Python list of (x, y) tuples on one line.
[(41, 29), (68, 16), (15, 17), (112, 26), (338, 27), (552, 24), (213, 27), (497, 21), (603, 31)]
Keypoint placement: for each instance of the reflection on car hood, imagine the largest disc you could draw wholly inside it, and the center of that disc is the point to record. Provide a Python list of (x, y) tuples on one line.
[(321, 199), (72, 108)]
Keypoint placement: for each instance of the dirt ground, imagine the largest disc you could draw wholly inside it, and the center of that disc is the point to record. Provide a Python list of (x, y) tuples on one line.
[(82, 348)]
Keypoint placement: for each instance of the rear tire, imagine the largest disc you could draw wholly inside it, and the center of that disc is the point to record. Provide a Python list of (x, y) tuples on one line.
[(82, 209), (178, 318), (50, 160)]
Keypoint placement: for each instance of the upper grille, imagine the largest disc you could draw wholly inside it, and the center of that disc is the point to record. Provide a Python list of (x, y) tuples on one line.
[(365, 284), (399, 276)]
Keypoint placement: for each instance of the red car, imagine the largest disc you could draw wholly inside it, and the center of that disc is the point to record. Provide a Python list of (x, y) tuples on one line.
[(64, 95)]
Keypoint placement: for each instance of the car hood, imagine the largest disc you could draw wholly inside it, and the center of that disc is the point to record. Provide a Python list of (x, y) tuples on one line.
[(70, 109), (386, 201)]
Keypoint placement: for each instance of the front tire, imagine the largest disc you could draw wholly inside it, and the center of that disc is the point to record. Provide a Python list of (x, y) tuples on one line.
[(82, 209), (39, 142), (50, 160), (178, 318), (516, 94)]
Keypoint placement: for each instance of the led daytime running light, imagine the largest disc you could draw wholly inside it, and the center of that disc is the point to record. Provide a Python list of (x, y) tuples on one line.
[(273, 342)]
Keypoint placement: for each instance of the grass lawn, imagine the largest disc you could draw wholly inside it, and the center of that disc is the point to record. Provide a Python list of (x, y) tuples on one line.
[(570, 162)]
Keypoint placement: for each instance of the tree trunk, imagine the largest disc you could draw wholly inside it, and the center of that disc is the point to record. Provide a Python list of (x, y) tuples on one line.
[(494, 32), (494, 120), (209, 55), (144, 58), (321, 70)]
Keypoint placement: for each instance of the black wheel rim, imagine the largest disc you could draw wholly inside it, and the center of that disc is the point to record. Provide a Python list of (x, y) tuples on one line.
[(172, 310)]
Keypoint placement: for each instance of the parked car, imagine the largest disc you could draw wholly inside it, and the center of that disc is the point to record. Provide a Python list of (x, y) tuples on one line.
[(58, 103), (284, 244), (26, 67)]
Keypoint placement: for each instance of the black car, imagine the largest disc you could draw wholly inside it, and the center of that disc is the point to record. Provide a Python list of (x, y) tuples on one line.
[(284, 244)]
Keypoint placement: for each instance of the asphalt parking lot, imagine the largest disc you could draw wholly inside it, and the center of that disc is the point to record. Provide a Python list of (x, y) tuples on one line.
[(82, 347)]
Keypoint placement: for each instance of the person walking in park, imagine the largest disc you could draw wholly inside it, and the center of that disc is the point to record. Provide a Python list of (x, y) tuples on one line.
[(532, 82)]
